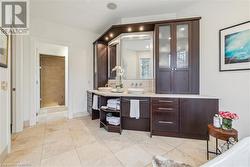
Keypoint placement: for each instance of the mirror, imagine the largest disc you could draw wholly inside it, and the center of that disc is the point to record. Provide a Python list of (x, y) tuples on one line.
[(137, 55), (113, 56), (134, 53)]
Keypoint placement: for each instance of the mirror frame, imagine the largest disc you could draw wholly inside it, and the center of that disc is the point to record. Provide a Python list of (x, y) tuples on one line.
[(117, 41)]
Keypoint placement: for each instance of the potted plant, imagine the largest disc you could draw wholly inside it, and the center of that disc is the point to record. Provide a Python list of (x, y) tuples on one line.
[(227, 119)]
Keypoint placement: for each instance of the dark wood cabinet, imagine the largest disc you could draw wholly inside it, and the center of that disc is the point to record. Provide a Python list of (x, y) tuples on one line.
[(112, 61), (182, 117), (177, 57), (165, 115), (143, 123), (100, 64), (195, 115)]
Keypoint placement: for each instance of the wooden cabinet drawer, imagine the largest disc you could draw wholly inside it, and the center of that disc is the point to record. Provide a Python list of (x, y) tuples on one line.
[(165, 102), (165, 121), (165, 114), (163, 108), (144, 106)]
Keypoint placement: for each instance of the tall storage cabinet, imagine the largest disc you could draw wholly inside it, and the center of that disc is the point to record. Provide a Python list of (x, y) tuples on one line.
[(100, 64), (177, 57)]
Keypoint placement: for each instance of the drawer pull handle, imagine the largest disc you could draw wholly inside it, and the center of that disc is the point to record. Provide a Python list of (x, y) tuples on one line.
[(165, 122), (168, 109), (165, 101), (134, 99)]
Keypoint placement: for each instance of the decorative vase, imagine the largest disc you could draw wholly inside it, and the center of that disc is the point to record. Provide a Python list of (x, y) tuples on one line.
[(227, 124)]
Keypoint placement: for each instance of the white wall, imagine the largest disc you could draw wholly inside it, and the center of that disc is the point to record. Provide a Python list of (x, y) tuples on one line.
[(233, 88), (79, 43), (5, 109)]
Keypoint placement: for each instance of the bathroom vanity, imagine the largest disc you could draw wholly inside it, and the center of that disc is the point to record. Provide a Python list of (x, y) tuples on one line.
[(165, 114), (160, 61)]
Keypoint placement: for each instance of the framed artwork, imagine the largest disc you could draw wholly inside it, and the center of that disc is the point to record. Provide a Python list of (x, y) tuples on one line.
[(235, 47), (3, 48)]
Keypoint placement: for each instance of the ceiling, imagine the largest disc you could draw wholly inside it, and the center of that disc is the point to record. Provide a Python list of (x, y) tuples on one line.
[(93, 15)]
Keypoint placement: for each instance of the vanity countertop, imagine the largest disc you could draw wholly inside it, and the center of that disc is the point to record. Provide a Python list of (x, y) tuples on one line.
[(125, 94)]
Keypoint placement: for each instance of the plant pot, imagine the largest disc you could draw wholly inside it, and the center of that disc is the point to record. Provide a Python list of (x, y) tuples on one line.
[(227, 124)]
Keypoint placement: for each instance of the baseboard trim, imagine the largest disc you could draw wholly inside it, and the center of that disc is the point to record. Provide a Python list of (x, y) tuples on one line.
[(4, 154), (26, 124), (80, 114)]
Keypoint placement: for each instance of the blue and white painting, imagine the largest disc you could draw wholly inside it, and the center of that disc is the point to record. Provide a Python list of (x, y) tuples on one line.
[(237, 47)]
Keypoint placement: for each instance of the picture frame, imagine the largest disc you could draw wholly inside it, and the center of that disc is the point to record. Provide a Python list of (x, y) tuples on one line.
[(3, 48), (235, 47)]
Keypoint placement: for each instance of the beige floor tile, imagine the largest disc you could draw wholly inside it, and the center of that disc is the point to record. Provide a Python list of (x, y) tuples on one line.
[(179, 156), (195, 148), (26, 157), (36, 131), (76, 124), (137, 136), (81, 142), (173, 141), (102, 134), (118, 143), (66, 159), (109, 161), (82, 137), (155, 146), (26, 143), (57, 125), (134, 157), (90, 154), (57, 147), (56, 136)]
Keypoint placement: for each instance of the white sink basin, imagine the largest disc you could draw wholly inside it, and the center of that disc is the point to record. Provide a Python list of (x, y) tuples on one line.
[(135, 91), (105, 89)]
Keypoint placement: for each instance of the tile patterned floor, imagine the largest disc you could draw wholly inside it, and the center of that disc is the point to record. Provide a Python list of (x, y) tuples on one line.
[(80, 142)]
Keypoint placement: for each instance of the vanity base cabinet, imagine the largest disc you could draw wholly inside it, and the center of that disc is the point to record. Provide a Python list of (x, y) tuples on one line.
[(180, 117), (195, 115), (93, 113), (141, 124)]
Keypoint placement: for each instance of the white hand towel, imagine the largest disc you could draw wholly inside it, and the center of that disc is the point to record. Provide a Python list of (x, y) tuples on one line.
[(95, 102), (135, 109)]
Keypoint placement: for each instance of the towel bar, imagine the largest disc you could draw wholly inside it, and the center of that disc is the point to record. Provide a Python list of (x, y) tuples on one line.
[(135, 99)]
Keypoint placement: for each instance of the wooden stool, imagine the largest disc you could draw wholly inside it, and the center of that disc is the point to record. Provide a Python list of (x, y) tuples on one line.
[(222, 135)]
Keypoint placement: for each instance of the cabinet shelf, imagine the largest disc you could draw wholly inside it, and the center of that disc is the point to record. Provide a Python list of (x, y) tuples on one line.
[(110, 110), (110, 128)]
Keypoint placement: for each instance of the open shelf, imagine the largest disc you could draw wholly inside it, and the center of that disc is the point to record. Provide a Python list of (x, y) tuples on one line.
[(110, 128), (110, 110)]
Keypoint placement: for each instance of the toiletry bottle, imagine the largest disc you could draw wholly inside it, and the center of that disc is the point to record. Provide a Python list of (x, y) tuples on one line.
[(216, 121)]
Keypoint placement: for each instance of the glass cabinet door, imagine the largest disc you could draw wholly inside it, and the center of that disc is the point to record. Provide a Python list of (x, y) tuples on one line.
[(164, 46), (182, 46)]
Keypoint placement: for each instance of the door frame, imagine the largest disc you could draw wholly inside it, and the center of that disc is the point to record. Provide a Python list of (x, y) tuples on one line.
[(42, 48)]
